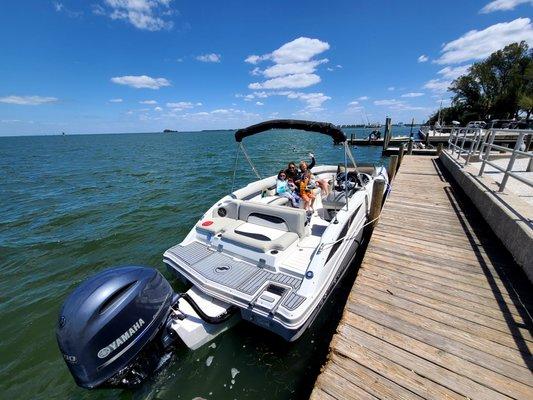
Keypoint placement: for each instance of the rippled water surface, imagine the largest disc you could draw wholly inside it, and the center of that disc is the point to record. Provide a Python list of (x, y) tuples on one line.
[(73, 205)]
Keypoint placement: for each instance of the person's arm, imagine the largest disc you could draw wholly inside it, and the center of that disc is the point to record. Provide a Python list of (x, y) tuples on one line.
[(280, 187), (313, 162)]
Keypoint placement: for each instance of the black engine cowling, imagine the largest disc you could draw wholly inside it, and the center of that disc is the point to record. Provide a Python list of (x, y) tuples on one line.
[(109, 321)]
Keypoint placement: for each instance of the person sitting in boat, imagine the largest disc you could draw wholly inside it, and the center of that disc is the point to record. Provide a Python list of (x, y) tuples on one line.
[(307, 186), (304, 167), (286, 188), (292, 172)]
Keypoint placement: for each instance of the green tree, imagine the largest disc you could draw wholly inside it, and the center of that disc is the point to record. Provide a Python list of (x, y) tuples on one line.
[(498, 87), (525, 99)]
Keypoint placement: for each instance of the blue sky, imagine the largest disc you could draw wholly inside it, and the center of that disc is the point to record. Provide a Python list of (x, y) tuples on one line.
[(144, 65)]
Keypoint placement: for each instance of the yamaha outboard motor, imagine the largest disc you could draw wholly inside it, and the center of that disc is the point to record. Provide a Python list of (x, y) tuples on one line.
[(113, 329)]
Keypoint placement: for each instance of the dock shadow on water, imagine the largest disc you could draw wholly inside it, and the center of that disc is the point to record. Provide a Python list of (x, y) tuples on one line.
[(72, 206)]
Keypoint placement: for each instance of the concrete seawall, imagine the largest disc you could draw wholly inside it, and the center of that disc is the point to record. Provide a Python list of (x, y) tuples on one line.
[(509, 216)]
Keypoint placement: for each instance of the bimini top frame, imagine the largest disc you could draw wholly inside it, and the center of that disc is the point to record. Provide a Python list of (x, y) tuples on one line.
[(309, 126)]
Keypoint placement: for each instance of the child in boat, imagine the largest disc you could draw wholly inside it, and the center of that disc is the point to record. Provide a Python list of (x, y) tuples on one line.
[(323, 184), (307, 185), (285, 188)]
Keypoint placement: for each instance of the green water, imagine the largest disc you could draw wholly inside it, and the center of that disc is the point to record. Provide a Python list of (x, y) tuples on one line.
[(73, 205)]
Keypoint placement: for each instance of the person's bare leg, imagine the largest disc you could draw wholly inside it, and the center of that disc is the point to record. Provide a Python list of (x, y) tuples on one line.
[(323, 184)]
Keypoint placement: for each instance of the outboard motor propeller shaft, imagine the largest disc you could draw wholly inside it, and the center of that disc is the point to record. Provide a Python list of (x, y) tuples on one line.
[(112, 329)]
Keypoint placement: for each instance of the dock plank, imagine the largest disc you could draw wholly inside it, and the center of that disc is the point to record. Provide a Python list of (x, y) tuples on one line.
[(432, 313)]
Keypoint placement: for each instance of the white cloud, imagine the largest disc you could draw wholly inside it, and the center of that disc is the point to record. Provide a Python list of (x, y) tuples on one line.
[(299, 50), (476, 45), (141, 81), (413, 94), (503, 5), (258, 103), (253, 59), (256, 71), (454, 72), (143, 14), (314, 101), (353, 103), (116, 100), (148, 102), (209, 58), (398, 105), (180, 105), (423, 58), (363, 98), (307, 67), (389, 102), (218, 116), (293, 65), (391, 88), (330, 69), (158, 109), (437, 85), (290, 82), (27, 100), (60, 8), (339, 66)]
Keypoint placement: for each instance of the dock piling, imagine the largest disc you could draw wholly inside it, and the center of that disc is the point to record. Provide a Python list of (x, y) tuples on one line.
[(387, 133), (393, 166), (376, 202), (400, 155), (410, 147), (440, 147)]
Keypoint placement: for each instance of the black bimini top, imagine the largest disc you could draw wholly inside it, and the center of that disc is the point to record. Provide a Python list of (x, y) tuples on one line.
[(321, 127)]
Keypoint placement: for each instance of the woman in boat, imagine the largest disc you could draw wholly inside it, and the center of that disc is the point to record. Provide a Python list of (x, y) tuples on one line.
[(292, 172), (285, 188), (321, 183)]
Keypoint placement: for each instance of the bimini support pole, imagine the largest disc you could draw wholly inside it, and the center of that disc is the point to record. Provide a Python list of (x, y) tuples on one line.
[(249, 160), (346, 174), (235, 168), (350, 155)]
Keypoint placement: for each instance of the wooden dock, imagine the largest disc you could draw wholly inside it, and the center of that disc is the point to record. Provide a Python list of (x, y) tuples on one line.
[(431, 314)]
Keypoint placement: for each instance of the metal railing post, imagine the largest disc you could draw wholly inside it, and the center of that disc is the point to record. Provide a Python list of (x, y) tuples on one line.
[(456, 139), (492, 135), (463, 139), (511, 161), (473, 142)]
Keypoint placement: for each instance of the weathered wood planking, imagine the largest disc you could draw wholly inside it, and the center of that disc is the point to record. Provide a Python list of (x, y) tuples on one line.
[(432, 314)]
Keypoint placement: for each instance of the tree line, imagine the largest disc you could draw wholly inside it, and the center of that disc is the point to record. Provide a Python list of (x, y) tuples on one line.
[(499, 87)]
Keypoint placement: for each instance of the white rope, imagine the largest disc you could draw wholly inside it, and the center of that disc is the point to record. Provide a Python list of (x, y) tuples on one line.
[(323, 245)]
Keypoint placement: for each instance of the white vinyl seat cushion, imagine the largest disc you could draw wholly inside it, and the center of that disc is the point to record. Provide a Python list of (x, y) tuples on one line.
[(259, 238), (272, 200)]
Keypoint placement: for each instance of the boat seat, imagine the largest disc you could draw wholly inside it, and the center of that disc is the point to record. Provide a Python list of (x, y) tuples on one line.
[(272, 200), (259, 238), (215, 225), (335, 200), (272, 216)]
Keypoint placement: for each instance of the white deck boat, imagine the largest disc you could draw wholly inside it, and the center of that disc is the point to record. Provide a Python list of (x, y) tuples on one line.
[(270, 260)]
